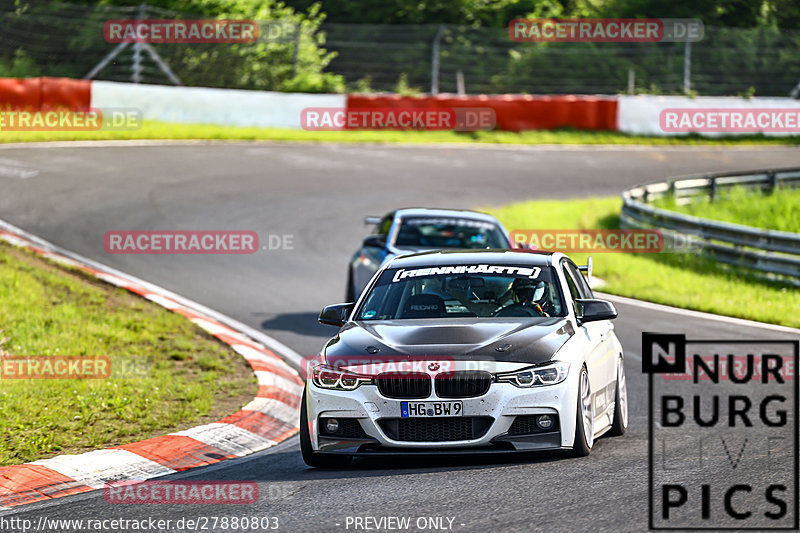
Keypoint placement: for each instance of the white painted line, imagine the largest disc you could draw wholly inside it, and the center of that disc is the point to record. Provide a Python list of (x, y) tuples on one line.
[(268, 378), (16, 241), (275, 409), (248, 352), (697, 314), (215, 328), (114, 280), (231, 439), (252, 354), (61, 259), (630, 354), (162, 301), (102, 466), (13, 168)]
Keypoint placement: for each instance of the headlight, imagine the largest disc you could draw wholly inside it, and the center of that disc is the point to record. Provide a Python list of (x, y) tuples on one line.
[(328, 377), (548, 374)]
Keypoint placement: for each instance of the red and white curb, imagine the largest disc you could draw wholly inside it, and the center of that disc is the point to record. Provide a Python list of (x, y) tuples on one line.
[(270, 418)]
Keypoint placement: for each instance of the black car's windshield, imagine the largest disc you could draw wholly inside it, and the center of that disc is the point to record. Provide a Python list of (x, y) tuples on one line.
[(445, 232), (451, 291)]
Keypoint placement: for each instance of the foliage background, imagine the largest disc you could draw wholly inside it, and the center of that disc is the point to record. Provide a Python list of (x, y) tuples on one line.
[(750, 46)]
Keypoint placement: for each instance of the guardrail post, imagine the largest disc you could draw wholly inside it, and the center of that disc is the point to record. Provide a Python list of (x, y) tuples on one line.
[(713, 190), (772, 181)]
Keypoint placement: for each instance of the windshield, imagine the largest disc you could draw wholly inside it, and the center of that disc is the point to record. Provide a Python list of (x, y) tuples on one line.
[(464, 291), (444, 232)]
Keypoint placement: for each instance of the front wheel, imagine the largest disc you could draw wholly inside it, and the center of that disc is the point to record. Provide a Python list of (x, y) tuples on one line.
[(620, 421), (584, 423), (312, 458)]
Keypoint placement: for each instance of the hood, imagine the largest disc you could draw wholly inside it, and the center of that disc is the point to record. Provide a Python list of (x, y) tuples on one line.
[(497, 339)]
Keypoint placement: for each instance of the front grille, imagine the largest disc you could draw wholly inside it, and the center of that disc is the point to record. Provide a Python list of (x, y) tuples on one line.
[(348, 427), (407, 386), (462, 384), (436, 429), (526, 425)]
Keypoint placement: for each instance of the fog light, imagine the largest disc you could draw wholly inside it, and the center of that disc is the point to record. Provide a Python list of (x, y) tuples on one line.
[(544, 422), (331, 425)]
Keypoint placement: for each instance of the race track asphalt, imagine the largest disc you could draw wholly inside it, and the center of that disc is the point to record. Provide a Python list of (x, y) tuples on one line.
[(318, 194)]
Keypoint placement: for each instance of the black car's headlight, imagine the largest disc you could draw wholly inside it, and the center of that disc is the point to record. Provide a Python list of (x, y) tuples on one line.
[(536, 376), (328, 377)]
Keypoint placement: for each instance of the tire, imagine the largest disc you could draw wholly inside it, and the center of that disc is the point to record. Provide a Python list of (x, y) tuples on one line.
[(312, 458), (350, 295), (584, 428), (620, 421)]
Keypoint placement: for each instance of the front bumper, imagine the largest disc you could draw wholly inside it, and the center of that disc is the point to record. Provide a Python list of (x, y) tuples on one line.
[(495, 413)]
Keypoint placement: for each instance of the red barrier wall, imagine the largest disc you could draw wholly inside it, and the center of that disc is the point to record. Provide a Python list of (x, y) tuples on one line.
[(17, 93), (514, 112), (45, 93)]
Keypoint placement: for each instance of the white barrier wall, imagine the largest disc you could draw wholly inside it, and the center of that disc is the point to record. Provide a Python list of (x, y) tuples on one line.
[(640, 115), (198, 105)]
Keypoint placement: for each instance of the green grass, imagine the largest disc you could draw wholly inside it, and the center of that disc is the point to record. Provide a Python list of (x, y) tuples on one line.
[(682, 280), (187, 376), (777, 211), (157, 130)]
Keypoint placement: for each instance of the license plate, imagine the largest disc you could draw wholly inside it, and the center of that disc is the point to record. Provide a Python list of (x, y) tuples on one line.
[(430, 409)]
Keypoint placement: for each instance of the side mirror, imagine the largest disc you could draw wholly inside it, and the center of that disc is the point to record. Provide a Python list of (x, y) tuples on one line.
[(594, 310), (375, 241), (372, 220), (336, 315)]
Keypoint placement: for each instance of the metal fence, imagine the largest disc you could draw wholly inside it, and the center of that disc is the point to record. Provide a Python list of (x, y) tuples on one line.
[(764, 62), (774, 252), (48, 38)]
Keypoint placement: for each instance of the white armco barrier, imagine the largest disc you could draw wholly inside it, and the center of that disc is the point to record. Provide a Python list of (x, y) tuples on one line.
[(640, 115), (198, 105)]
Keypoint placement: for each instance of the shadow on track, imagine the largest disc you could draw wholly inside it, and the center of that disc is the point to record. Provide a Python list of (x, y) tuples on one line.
[(292, 468), (300, 323)]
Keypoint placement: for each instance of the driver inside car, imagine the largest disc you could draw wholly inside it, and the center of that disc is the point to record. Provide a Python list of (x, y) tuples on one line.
[(527, 297)]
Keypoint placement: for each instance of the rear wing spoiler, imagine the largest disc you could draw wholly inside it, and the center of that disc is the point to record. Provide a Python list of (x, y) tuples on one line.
[(587, 269), (372, 220)]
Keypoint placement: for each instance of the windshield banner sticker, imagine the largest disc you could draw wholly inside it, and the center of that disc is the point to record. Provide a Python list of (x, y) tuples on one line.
[(523, 272)]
